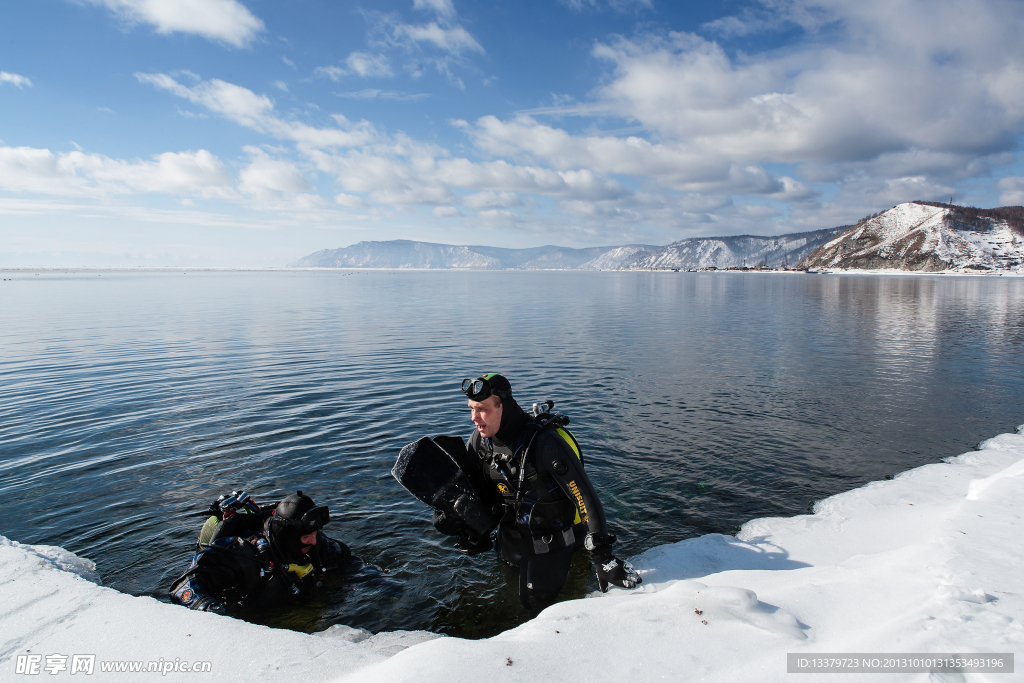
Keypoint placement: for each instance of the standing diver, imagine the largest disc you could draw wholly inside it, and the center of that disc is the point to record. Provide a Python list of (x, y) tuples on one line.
[(252, 555), (534, 483)]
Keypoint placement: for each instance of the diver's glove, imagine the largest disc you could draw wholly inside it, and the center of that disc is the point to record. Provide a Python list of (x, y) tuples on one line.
[(610, 569), (468, 546), (447, 524), (188, 594), (465, 542), (208, 604), (617, 573)]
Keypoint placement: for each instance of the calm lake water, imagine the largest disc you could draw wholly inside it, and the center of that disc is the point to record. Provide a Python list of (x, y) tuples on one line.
[(130, 401)]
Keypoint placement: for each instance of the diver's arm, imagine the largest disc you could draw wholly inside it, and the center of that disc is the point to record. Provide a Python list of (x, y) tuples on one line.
[(557, 458), (223, 568), (335, 555)]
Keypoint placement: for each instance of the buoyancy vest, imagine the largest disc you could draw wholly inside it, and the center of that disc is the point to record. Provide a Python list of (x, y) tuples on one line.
[(537, 506)]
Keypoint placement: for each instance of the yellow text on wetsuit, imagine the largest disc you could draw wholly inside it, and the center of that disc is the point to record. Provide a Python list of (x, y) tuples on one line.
[(579, 497)]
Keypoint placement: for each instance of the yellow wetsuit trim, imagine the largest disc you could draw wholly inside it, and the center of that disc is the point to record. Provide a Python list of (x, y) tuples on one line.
[(300, 569), (569, 440), (572, 444)]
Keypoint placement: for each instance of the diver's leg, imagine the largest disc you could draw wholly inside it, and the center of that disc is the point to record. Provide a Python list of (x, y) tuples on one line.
[(541, 577)]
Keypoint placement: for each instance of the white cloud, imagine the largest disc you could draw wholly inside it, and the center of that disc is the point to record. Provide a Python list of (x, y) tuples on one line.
[(408, 173), (875, 113), (280, 85), (232, 101), (351, 201), (443, 8), (25, 169), (751, 20), (378, 94), (190, 114), (443, 45), (497, 214), (491, 200), (619, 5), (335, 73), (895, 102), (226, 21), (14, 79), (793, 191), (362, 64), (445, 34), (1013, 191), (193, 173), (367, 65), (671, 165), (906, 75), (454, 40), (200, 173), (268, 179), (248, 109)]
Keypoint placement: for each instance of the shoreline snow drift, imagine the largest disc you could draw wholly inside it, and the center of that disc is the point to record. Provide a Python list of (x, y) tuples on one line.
[(926, 562)]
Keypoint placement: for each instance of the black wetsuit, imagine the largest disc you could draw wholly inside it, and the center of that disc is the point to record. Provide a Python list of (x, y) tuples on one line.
[(245, 569), (557, 506)]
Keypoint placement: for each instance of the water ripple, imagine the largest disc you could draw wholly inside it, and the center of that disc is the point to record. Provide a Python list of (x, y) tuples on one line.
[(129, 402)]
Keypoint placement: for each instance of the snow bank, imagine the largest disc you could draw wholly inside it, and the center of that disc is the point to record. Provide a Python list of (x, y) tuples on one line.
[(927, 562), (50, 605)]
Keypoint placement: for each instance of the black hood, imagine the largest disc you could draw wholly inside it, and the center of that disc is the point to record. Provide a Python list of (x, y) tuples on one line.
[(513, 419), (284, 532)]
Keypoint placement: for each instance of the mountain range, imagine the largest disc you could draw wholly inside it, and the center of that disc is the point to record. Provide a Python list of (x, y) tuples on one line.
[(913, 236), (693, 253)]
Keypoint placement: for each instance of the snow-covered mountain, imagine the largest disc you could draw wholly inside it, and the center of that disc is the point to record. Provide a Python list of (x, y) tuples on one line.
[(732, 252), (615, 257), (700, 252), (408, 254), (912, 236), (924, 236)]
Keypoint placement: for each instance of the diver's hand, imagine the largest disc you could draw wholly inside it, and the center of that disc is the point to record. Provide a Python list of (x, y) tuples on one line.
[(207, 604), (447, 524), (614, 571), (468, 546)]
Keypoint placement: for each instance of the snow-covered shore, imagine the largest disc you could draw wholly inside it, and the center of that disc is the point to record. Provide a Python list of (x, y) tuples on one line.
[(927, 562)]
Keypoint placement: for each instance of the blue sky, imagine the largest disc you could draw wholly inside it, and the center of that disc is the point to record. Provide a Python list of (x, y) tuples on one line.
[(253, 132)]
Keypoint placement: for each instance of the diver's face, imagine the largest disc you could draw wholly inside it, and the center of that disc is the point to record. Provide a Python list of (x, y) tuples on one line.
[(486, 415), (308, 541)]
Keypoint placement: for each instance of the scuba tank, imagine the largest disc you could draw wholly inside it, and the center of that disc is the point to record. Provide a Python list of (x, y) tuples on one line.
[(222, 509), (551, 522)]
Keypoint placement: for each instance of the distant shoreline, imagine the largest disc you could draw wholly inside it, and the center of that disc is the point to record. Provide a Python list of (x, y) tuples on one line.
[(285, 269)]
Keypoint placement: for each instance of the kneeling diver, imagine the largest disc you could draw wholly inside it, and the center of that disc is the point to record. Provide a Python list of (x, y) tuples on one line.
[(249, 554)]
